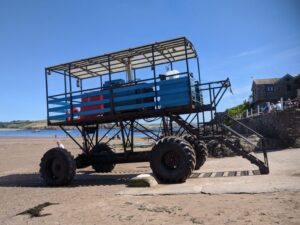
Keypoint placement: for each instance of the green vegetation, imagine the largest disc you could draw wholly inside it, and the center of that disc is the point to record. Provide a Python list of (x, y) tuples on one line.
[(237, 110), (42, 124), (24, 124)]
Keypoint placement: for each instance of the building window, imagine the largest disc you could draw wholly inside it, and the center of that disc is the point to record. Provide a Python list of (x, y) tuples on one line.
[(288, 87), (269, 88)]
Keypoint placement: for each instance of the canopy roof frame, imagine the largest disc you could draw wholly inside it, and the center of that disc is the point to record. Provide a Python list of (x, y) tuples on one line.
[(141, 57)]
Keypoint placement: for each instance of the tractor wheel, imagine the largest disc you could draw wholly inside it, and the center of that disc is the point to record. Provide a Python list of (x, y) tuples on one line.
[(200, 150), (57, 167), (102, 149), (172, 160), (82, 161)]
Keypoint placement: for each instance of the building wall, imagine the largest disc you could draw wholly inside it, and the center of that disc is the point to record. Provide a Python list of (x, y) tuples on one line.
[(282, 89)]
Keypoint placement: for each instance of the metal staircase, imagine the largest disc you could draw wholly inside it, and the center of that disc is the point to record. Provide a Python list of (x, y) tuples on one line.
[(223, 136), (187, 126)]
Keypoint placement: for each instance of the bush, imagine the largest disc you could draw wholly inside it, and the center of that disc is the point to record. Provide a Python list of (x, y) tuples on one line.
[(237, 110)]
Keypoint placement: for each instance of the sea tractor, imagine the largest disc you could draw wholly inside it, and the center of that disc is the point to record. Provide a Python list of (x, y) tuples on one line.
[(122, 93)]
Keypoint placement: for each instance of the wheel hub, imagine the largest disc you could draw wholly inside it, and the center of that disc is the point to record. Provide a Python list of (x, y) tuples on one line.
[(171, 160), (56, 168)]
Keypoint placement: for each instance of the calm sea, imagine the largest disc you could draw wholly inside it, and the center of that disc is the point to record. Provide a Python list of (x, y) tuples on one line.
[(53, 133)]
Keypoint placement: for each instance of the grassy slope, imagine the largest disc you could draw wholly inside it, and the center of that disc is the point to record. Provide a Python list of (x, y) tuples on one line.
[(40, 124), (24, 124)]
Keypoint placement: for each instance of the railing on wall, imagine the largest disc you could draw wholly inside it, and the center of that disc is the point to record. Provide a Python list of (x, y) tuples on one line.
[(269, 108)]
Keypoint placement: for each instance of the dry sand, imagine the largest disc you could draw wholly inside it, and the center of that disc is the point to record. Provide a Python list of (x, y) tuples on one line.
[(94, 199)]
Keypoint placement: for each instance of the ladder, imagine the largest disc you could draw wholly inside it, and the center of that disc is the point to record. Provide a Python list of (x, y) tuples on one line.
[(223, 138)]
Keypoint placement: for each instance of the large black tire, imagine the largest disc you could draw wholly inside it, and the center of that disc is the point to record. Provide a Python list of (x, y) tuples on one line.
[(82, 161), (57, 167), (172, 160), (200, 150), (102, 149)]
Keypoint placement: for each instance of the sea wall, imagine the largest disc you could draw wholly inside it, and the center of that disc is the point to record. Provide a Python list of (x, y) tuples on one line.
[(281, 129)]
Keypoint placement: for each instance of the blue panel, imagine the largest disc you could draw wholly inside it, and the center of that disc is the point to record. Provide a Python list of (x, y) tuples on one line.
[(180, 98), (91, 112), (89, 94), (78, 105), (135, 106), (63, 103), (174, 92), (136, 96), (133, 87), (59, 117), (84, 113), (172, 81), (171, 93)]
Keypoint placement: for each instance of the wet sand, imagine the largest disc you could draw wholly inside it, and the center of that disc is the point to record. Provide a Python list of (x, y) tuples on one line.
[(93, 198)]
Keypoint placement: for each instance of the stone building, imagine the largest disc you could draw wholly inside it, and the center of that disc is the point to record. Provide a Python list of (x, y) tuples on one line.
[(273, 89)]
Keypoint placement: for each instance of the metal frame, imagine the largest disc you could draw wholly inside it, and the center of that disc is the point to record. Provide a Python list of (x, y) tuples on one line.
[(172, 51), (125, 124)]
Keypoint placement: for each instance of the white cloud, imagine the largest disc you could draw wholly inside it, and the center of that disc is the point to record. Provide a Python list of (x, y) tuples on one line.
[(250, 52)]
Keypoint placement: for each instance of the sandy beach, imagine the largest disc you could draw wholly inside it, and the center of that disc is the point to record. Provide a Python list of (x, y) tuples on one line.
[(95, 198)]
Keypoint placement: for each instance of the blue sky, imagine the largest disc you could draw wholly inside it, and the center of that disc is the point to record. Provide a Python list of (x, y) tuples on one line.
[(243, 40)]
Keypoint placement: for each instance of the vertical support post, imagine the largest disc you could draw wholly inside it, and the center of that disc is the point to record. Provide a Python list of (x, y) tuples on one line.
[(199, 78), (186, 58), (251, 112), (171, 126), (211, 110), (134, 75), (188, 72), (198, 68), (198, 125), (214, 98), (281, 103), (154, 74), (101, 82), (123, 136), (247, 113), (86, 147), (165, 126), (97, 133), (65, 84), (203, 120), (80, 86), (110, 88), (258, 111), (109, 71), (47, 93), (71, 97), (132, 136)]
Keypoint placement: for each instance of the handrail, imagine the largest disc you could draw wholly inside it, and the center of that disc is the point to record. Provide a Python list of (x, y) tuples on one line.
[(243, 125), (261, 148), (240, 136)]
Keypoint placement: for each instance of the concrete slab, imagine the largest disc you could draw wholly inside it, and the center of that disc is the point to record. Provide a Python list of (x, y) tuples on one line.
[(284, 176)]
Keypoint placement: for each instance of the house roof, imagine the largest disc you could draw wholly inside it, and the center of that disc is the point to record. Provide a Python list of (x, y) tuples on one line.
[(266, 81), (271, 80)]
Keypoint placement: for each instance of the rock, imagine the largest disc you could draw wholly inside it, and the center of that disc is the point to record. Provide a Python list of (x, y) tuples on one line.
[(297, 143), (143, 180)]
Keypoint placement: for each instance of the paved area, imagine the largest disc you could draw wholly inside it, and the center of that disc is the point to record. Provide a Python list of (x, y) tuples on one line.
[(222, 176)]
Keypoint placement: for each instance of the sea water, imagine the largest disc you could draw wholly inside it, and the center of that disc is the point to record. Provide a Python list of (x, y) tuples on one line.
[(56, 133)]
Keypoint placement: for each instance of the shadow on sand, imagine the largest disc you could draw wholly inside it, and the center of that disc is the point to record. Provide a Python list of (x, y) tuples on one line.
[(89, 178), (81, 179)]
